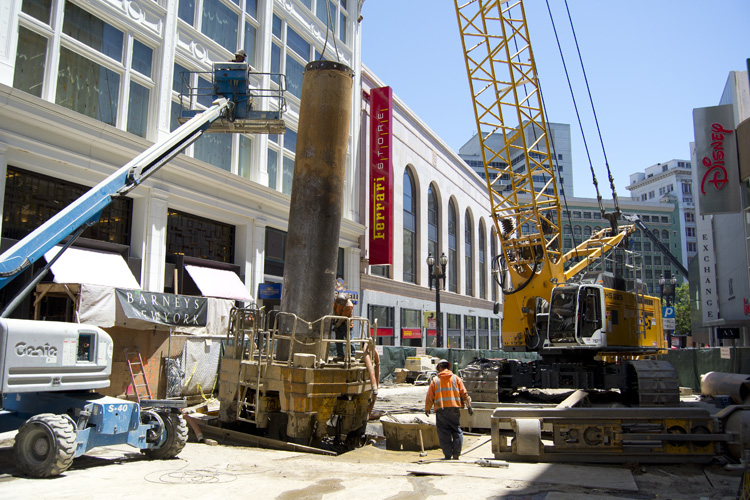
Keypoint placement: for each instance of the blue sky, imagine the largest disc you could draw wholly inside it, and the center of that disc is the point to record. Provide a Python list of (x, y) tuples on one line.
[(648, 63)]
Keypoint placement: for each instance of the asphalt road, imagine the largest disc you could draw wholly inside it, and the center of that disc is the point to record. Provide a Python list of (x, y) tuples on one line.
[(371, 472)]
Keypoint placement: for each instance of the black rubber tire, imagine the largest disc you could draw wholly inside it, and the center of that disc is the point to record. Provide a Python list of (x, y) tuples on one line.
[(45, 445), (177, 436)]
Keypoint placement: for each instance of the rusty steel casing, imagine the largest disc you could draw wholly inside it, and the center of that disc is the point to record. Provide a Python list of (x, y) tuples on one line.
[(316, 204)]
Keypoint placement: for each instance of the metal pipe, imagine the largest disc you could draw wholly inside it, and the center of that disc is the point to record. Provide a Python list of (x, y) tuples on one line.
[(734, 385), (316, 203)]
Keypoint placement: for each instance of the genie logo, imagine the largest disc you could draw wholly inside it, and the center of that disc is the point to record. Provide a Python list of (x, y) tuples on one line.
[(46, 350)]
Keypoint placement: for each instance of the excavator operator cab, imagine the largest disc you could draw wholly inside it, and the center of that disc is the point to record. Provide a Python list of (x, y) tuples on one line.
[(562, 313), (575, 315)]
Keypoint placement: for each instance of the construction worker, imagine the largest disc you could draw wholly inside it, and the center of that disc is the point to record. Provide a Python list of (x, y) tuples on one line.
[(342, 306), (239, 56), (448, 395)]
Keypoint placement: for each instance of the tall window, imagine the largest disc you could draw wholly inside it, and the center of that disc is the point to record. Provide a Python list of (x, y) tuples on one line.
[(291, 51), (410, 229), (92, 76), (482, 263), (328, 14), (469, 263), (280, 163), (433, 234), (275, 251), (452, 248), (224, 22), (493, 253)]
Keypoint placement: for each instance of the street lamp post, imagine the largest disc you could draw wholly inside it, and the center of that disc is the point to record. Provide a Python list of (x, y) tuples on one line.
[(436, 273), (668, 292)]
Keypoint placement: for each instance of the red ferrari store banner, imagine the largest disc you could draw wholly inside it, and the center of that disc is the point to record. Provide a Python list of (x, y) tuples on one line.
[(382, 332), (381, 177), (411, 333)]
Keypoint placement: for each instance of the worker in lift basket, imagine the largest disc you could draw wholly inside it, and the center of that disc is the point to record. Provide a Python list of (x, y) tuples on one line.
[(342, 306), (239, 56), (448, 395)]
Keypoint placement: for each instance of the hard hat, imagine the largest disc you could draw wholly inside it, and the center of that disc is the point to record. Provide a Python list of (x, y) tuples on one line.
[(443, 362), (341, 297), (240, 52)]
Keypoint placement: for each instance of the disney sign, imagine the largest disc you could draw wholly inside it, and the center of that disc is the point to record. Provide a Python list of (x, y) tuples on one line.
[(716, 150)]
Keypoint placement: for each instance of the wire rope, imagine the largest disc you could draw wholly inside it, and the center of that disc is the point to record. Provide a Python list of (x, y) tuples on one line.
[(593, 109), (575, 105)]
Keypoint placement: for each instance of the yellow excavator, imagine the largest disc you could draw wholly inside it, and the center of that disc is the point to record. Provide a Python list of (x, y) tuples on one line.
[(586, 312)]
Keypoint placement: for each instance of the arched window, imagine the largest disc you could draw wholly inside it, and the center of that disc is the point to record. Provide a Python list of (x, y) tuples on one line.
[(452, 248), (468, 242), (577, 230), (493, 253), (433, 218), (587, 231), (482, 264), (665, 235), (410, 229)]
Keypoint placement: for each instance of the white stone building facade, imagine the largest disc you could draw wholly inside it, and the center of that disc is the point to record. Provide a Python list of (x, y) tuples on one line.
[(87, 85), (671, 182)]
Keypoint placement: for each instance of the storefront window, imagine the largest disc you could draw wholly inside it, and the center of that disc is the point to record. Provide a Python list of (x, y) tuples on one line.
[(484, 333), (195, 236), (495, 327), (384, 316), (32, 199), (411, 327), (470, 332), (453, 327)]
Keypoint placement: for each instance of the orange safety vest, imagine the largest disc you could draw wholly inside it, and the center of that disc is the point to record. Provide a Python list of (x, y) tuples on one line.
[(446, 391), (344, 309)]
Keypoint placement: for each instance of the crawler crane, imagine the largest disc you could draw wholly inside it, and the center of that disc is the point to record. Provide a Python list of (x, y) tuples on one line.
[(591, 320)]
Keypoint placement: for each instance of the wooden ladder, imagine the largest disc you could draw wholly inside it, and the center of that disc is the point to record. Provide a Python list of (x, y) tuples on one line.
[(138, 376)]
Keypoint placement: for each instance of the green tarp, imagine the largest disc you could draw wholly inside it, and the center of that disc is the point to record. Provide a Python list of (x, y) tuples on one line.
[(692, 363)]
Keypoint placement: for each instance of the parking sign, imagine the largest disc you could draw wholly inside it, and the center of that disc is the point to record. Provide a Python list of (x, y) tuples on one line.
[(668, 319)]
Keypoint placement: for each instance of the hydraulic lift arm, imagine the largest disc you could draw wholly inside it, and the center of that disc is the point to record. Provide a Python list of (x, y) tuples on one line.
[(87, 209)]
